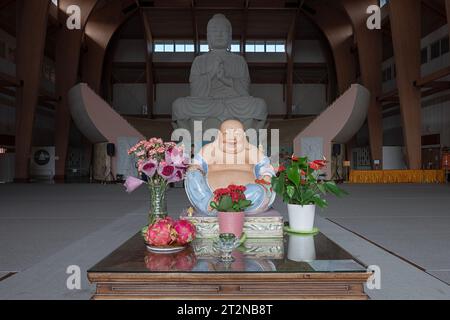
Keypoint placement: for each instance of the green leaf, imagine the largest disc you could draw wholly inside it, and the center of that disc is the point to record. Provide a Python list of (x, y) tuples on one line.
[(322, 188), (214, 205), (293, 175), (321, 203), (334, 189), (290, 190), (245, 203), (225, 204), (278, 184)]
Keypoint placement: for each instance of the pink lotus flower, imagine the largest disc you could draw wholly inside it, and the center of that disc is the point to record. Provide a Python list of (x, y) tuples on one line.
[(161, 233), (149, 168), (132, 184), (186, 232)]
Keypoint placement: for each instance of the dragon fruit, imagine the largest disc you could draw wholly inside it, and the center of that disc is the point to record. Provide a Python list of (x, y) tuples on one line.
[(161, 233), (186, 231)]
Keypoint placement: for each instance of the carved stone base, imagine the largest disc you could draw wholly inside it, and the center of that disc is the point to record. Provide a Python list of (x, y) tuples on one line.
[(264, 225)]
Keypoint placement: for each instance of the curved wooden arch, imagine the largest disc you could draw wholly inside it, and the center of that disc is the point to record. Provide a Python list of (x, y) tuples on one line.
[(338, 30), (68, 47), (99, 31)]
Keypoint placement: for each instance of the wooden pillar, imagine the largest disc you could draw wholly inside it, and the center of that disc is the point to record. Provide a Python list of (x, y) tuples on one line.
[(31, 33), (290, 65), (68, 46), (405, 18), (149, 65), (369, 43)]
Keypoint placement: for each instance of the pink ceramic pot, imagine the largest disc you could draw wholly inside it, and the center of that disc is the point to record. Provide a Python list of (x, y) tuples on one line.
[(231, 222)]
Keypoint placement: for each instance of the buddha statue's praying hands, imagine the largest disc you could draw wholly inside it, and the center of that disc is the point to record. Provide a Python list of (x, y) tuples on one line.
[(219, 83), (230, 160)]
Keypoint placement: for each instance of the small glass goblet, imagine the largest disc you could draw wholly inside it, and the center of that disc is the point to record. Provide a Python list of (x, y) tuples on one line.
[(226, 243)]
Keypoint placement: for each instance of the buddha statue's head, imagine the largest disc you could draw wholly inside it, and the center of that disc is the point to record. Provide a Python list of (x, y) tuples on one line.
[(232, 138), (220, 33)]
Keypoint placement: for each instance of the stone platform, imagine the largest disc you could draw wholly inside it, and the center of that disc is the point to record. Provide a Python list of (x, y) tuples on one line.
[(263, 225)]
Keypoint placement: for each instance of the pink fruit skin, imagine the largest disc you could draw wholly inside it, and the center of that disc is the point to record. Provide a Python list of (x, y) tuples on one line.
[(161, 233), (186, 231)]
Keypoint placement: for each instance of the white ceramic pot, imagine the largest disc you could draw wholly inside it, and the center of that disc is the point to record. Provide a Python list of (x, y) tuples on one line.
[(301, 218), (301, 248)]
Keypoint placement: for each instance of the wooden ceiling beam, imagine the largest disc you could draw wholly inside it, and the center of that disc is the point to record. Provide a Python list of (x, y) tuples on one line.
[(195, 28), (438, 85), (433, 77), (438, 10), (5, 3)]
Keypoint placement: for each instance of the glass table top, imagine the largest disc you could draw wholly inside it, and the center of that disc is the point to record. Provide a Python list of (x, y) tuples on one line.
[(291, 254)]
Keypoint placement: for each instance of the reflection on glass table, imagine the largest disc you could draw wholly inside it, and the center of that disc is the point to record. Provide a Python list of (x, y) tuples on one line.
[(293, 254)]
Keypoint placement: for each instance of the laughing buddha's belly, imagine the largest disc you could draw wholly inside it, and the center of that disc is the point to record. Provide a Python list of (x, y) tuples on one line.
[(220, 177)]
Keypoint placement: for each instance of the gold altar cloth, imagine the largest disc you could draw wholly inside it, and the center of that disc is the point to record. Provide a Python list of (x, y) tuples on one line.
[(397, 176)]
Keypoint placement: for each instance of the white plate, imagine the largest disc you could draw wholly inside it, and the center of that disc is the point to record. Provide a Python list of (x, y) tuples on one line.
[(166, 250)]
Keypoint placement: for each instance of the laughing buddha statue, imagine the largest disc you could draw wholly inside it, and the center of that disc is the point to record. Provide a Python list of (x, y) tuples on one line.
[(230, 159), (219, 84)]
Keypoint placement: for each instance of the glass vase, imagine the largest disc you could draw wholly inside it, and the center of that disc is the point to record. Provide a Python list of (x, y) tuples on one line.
[(158, 202)]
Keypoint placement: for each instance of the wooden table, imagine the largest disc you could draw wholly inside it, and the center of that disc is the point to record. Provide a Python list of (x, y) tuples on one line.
[(131, 272)]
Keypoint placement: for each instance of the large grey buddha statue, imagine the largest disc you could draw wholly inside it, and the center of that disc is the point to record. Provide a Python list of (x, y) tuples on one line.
[(219, 85)]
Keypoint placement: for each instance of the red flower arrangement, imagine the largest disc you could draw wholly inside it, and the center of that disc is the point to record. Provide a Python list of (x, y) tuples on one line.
[(230, 199)]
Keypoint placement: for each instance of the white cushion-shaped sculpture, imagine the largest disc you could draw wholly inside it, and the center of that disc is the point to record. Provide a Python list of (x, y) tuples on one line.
[(219, 84), (99, 123), (337, 124)]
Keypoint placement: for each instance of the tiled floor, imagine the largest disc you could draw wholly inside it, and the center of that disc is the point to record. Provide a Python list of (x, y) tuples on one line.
[(409, 220), (45, 228)]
